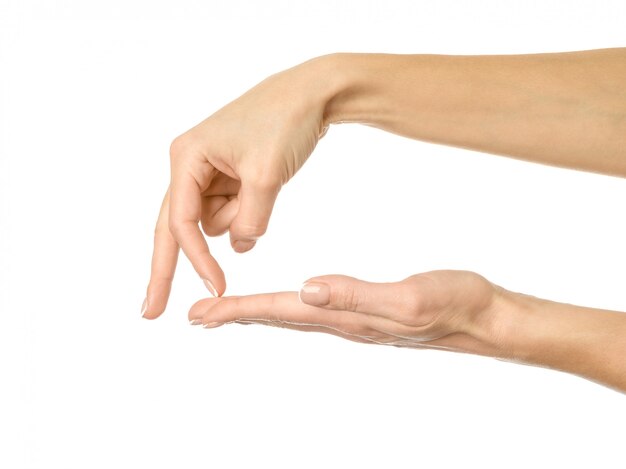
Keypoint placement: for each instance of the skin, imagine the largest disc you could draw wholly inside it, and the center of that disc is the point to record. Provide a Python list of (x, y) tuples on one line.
[(449, 310), (565, 109)]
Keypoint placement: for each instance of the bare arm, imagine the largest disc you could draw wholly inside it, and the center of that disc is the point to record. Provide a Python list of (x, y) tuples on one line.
[(584, 341), (564, 109)]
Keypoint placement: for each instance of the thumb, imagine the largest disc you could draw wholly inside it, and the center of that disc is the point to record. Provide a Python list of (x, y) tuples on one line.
[(256, 202), (340, 292)]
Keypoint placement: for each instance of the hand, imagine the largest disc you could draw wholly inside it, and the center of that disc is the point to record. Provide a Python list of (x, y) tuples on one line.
[(440, 309), (446, 309), (227, 171)]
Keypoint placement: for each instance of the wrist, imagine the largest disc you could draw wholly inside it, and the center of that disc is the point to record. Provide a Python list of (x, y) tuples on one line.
[(354, 87), (357, 84), (324, 82), (509, 321), (493, 329), (504, 327), (385, 91), (584, 341)]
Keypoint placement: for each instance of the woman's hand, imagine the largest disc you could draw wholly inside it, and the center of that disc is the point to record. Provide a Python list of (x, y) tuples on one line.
[(227, 171), (451, 310), (441, 309)]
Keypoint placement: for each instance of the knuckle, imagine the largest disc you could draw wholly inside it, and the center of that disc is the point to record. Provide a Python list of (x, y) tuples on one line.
[(250, 232), (269, 306), (177, 146), (236, 305), (176, 227), (348, 299), (266, 180), (180, 146), (412, 303)]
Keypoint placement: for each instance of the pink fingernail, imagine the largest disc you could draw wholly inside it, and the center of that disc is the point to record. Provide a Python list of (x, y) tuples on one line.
[(195, 322), (210, 325), (315, 294), (210, 287), (144, 307), (245, 323), (243, 245)]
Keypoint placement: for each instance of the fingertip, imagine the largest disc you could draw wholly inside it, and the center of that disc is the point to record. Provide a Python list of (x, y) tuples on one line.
[(256, 201), (200, 307), (157, 295), (151, 311), (242, 245), (209, 286), (152, 315), (217, 286), (214, 279)]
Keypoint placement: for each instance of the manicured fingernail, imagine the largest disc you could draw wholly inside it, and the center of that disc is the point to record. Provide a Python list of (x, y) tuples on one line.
[(144, 307), (210, 287), (243, 245), (314, 293), (245, 323), (195, 322), (210, 325)]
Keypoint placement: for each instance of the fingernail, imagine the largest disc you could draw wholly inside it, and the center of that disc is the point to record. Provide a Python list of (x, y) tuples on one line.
[(195, 322), (243, 245), (210, 325), (144, 307), (210, 287), (315, 294), (245, 323)]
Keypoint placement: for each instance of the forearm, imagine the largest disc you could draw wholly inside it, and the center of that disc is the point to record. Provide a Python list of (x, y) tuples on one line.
[(565, 109), (584, 341)]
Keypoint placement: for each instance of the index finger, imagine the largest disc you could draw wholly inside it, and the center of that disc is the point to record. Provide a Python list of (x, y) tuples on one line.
[(286, 307), (184, 215), (164, 259)]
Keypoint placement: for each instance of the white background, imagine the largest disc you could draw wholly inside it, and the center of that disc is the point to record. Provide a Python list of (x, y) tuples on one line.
[(92, 95)]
